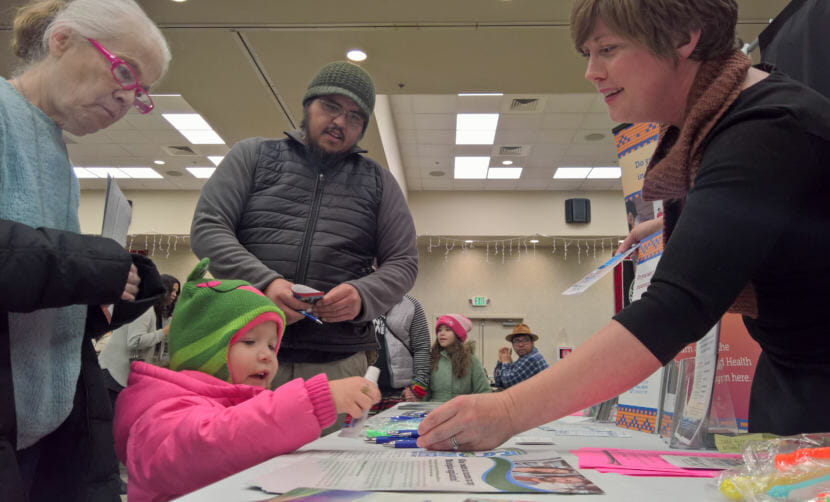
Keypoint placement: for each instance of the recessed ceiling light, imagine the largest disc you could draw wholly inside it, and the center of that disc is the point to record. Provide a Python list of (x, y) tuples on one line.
[(201, 172), (468, 241), (534, 241), (356, 55), (476, 128), (605, 173), (159, 162), (595, 136), (571, 173), (504, 173), (179, 1), (437, 173), (507, 162), (216, 159), (471, 168)]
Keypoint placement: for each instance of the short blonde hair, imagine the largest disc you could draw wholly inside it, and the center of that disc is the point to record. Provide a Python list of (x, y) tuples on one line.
[(662, 25)]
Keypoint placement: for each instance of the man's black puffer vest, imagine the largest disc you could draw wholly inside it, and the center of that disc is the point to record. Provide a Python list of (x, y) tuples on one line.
[(315, 227)]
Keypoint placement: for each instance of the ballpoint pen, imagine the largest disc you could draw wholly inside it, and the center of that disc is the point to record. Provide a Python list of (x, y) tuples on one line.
[(310, 317), (403, 443)]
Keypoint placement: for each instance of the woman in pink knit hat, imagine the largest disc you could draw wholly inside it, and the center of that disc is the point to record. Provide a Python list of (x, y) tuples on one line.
[(455, 369)]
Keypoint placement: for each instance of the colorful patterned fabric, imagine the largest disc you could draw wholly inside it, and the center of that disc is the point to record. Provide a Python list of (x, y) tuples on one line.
[(211, 315), (509, 374)]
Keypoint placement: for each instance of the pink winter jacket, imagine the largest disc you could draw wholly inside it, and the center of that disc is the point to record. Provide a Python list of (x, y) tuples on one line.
[(179, 431)]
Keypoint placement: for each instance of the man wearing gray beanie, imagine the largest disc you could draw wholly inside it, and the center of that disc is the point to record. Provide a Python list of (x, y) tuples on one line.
[(311, 209)]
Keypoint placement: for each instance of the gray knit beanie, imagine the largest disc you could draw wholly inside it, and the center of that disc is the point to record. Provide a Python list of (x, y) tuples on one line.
[(346, 79)]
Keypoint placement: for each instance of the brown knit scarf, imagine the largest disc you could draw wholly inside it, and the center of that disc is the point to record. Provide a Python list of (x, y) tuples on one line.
[(675, 162)]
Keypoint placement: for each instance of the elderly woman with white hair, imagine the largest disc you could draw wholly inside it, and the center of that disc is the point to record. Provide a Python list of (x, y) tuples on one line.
[(85, 64)]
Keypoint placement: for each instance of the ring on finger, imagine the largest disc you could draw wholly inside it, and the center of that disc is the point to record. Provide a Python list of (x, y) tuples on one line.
[(454, 443)]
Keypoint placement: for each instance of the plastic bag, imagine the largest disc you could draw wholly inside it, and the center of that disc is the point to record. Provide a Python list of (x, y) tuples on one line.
[(793, 468)]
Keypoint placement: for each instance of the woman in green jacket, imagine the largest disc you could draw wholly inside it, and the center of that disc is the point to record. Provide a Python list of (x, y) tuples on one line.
[(455, 369)]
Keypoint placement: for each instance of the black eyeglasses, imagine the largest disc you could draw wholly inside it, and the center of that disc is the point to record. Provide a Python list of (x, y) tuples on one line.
[(520, 339), (334, 110)]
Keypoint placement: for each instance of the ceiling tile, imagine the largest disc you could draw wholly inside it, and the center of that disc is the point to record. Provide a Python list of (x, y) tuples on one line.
[(426, 103), (435, 121), (569, 103)]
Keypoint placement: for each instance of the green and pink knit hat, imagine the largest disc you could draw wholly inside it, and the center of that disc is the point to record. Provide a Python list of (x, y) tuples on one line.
[(210, 316)]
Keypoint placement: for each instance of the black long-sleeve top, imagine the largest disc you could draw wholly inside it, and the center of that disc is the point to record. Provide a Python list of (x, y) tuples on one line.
[(759, 212)]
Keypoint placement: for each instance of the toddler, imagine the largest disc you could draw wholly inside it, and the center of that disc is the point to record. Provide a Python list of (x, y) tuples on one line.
[(211, 414)]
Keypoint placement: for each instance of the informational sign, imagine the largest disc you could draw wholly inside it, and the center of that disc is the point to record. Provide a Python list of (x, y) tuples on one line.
[(479, 301), (117, 214)]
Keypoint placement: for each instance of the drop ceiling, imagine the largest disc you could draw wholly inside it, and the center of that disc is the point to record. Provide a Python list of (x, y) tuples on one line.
[(245, 65)]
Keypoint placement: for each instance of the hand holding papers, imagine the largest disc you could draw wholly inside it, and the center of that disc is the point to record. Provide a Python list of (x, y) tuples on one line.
[(591, 279)]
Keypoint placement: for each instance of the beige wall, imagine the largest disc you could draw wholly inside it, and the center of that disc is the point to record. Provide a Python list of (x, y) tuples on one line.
[(435, 213), (496, 213), (530, 287)]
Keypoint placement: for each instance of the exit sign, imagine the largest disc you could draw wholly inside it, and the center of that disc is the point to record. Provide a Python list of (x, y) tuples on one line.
[(479, 301)]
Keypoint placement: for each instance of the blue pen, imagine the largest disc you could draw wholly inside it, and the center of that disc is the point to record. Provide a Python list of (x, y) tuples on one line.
[(383, 439), (401, 418), (310, 317), (403, 443)]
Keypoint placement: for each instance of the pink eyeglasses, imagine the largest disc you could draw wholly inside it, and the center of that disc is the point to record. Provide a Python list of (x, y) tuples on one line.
[(123, 74)]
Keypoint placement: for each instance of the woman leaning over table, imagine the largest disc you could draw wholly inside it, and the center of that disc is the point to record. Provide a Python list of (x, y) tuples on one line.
[(743, 168), (85, 64)]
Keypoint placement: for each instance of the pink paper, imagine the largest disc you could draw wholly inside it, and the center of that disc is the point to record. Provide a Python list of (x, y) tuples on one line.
[(642, 462)]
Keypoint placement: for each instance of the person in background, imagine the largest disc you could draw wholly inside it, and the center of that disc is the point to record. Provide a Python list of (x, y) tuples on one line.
[(144, 339), (403, 354), (455, 369), (311, 209), (84, 65), (211, 414), (530, 362), (742, 169)]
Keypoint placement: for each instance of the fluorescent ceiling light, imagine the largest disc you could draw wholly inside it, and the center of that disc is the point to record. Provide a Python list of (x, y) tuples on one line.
[(504, 173), (571, 173), (471, 168), (193, 127), (118, 172), (476, 128), (82, 173), (216, 159), (507, 162), (165, 95), (462, 94), (534, 241), (356, 55), (102, 172), (468, 241), (605, 173), (201, 172), (141, 173), (159, 162)]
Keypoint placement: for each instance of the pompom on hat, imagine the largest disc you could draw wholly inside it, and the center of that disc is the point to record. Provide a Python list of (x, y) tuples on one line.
[(459, 325), (210, 316), (345, 79), (521, 329)]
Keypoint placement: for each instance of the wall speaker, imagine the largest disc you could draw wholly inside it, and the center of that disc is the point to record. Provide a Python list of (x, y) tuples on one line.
[(577, 210)]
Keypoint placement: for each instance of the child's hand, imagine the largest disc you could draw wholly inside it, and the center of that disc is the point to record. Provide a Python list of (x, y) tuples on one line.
[(353, 395)]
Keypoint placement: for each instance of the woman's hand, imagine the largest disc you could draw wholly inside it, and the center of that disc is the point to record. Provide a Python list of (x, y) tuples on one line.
[(353, 395), (408, 395), (131, 288), (476, 421), (639, 233)]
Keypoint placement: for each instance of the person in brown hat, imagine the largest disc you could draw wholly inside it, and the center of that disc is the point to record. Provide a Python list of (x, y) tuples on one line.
[(530, 359)]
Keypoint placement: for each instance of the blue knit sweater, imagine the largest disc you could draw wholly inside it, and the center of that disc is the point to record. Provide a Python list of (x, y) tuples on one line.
[(39, 188)]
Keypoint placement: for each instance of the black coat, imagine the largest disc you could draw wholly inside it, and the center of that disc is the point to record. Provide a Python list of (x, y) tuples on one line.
[(46, 268)]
